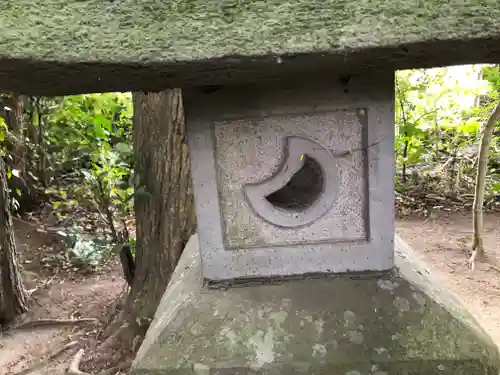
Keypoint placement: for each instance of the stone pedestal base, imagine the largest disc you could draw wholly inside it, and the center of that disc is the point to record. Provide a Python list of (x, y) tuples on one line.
[(400, 322)]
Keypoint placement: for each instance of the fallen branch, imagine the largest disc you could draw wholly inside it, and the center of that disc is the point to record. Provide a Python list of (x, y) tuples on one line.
[(495, 268), (74, 365), (40, 286), (46, 323), (43, 361)]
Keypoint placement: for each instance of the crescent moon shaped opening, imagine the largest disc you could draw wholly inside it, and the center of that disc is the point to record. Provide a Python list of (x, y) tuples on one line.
[(301, 191), (303, 188)]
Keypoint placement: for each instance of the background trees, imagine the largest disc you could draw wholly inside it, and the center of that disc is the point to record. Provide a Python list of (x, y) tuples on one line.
[(439, 115), (440, 119), (12, 293)]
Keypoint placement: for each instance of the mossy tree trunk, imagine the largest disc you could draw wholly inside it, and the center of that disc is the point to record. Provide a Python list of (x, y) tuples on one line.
[(12, 294), (15, 122), (20, 183), (164, 206), (482, 169)]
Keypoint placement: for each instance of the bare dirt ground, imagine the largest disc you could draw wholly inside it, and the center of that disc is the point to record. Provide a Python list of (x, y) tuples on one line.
[(442, 242), (68, 293), (57, 294)]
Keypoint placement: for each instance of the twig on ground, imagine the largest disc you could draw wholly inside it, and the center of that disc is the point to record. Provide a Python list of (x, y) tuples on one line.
[(74, 365), (495, 268), (47, 323), (41, 286), (43, 361)]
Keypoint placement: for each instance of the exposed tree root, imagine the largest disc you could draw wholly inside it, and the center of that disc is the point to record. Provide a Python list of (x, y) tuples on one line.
[(47, 323), (49, 358), (116, 349), (41, 286), (471, 262), (136, 342), (111, 338), (104, 330), (114, 324), (477, 251), (73, 368)]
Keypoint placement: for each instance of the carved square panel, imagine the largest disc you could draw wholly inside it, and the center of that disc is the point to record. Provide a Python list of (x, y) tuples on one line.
[(253, 151), (294, 178)]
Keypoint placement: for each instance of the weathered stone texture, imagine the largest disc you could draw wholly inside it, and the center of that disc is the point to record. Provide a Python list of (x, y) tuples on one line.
[(61, 46), (237, 137), (395, 323), (249, 151)]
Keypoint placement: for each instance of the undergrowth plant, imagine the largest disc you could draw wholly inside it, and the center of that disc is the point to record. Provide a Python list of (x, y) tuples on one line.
[(95, 176), (438, 124)]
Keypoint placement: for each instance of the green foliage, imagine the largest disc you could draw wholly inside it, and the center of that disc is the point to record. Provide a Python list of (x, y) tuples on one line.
[(439, 115), (109, 183), (89, 139), (85, 125), (81, 157), (3, 129), (77, 157), (81, 250)]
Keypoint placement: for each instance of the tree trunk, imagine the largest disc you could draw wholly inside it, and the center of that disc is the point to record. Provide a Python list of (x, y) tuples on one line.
[(482, 168), (20, 183), (164, 206), (42, 163), (12, 293), (16, 127)]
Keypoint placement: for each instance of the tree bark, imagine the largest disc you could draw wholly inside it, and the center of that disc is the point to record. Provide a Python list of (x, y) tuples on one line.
[(20, 183), (164, 205), (12, 294), (15, 123), (482, 169)]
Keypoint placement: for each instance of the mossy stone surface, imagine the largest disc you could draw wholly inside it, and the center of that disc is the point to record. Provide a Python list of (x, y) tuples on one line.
[(396, 323), (152, 31), (134, 44)]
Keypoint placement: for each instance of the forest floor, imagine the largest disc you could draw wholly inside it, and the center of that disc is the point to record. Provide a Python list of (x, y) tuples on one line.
[(442, 242), (71, 293), (59, 292)]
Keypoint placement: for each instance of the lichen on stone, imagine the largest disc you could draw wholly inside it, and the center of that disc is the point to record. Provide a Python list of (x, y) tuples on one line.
[(187, 30)]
